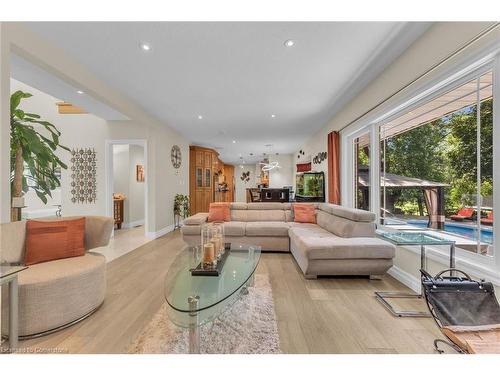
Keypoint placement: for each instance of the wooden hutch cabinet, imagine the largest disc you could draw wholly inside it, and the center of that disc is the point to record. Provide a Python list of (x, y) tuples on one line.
[(202, 163), (206, 173)]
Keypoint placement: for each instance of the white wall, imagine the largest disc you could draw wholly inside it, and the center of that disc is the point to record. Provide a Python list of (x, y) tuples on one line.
[(136, 188), (125, 160), (283, 176), (441, 40), (164, 180), (35, 207), (278, 177), (438, 43), (87, 130), (121, 172), (241, 186), (84, 130)]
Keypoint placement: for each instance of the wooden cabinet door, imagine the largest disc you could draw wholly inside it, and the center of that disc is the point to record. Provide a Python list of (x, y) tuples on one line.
[(198, 176), (199, 201), (207, 199), (207, 178), (207, 159), (198, 158), (203, 163)]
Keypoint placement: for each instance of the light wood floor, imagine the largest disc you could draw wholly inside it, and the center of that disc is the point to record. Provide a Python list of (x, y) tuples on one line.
[(330, 315)]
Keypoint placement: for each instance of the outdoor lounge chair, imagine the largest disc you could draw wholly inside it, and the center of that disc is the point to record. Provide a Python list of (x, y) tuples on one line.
[(466, 311), (463, 213), (488, 220)]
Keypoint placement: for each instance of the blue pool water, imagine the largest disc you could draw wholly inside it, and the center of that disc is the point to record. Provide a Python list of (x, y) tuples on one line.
[(460, 229)]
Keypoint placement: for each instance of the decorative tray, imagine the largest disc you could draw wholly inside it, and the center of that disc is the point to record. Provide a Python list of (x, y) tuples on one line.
[(215, 271)]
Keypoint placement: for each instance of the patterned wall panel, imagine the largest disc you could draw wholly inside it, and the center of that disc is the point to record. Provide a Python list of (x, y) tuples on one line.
[(83, 175)]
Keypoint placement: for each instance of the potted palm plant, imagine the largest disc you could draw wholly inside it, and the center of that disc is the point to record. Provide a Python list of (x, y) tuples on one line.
[(33, 159)]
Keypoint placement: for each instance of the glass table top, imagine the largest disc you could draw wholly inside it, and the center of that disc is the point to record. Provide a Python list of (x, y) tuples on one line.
[(213, 291), (412, 238), (6, 270)]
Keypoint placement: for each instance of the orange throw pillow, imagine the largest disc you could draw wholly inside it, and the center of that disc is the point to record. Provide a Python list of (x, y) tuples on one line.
[(304, 213), (219, 212), (51, 240)]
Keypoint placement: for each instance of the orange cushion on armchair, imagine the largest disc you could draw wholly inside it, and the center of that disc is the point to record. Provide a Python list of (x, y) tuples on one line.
[(219, 212), (304, 213), (51, 240)]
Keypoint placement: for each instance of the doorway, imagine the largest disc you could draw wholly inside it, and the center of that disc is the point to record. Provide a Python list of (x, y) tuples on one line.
[(127, 192)]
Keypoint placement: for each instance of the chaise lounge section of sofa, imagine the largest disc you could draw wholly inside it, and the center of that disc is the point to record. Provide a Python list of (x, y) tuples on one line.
[(342, 242)]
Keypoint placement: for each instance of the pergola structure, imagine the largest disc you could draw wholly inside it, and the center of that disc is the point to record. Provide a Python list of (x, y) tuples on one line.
[(433, 192)]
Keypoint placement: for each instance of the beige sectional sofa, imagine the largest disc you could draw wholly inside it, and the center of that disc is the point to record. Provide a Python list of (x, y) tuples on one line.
[(342, 242), (55, 294)]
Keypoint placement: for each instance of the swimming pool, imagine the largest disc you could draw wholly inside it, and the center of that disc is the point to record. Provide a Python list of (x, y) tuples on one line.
[(463, 230)]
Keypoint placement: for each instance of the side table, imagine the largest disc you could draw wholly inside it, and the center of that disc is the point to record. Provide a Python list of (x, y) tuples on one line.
[(8, 275), (412, 238)]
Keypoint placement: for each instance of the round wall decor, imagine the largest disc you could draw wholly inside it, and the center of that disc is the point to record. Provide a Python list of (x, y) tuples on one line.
[(176, 156), (318, 159)]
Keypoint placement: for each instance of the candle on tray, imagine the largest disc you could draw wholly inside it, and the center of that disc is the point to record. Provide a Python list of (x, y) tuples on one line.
[(208, 254), (216, 240)]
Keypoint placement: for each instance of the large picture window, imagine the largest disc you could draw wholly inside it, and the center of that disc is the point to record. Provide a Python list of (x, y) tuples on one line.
[(436, 166), (362, 172)]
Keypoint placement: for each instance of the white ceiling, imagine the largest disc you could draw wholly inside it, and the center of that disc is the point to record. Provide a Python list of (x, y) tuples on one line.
[(34, 76), (237, 74)]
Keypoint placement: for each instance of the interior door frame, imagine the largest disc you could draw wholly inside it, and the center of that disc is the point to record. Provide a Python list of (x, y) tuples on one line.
[(109, 175)]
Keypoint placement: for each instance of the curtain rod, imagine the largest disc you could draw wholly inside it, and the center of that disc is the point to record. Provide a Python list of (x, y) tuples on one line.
[(456, 52)]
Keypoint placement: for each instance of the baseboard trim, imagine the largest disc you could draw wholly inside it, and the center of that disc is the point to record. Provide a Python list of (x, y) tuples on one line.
[(405, 278), (161, 232), (133, 224)]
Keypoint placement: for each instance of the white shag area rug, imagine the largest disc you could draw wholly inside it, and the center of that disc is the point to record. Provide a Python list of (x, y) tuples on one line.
[(247, 327)]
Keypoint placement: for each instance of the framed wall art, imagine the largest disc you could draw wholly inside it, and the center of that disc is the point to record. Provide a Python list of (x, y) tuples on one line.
[(139, 173)]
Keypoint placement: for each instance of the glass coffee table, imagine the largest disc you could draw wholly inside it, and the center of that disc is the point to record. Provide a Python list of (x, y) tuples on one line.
[(412, 238), (195, 300)]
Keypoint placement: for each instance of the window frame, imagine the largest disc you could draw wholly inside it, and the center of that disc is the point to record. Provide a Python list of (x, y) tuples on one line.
[(371, 122)]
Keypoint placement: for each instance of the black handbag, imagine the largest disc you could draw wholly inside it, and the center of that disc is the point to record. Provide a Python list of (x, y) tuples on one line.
[(459, 301)]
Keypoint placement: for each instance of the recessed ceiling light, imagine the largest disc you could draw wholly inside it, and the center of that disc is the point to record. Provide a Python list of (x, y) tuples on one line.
[(234, 141), (289, 43), (273, 116), (145, 47), (80, 92), (200, 117)]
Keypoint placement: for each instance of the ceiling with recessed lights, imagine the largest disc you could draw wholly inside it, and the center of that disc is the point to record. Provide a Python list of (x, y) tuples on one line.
[(236, 87), (34, 76)]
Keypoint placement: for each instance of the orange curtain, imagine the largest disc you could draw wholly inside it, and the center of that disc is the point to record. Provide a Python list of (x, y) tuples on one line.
[(334, 167)]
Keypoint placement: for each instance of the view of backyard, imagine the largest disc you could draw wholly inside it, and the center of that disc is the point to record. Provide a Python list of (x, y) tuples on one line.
[(443, 150), (429, 159)]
